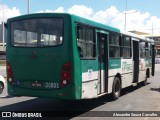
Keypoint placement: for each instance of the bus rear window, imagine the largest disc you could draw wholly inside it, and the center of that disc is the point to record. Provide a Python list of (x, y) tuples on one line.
[(40, 32)]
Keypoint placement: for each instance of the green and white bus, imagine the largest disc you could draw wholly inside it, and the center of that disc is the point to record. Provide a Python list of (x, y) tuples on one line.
[(59, 55)]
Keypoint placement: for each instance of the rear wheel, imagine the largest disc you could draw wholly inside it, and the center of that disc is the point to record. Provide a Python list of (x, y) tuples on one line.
[(1, 87), (116, 88), (144, 83)]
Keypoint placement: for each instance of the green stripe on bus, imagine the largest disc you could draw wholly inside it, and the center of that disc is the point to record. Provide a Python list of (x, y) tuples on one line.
[(89, 65), (114, 63)]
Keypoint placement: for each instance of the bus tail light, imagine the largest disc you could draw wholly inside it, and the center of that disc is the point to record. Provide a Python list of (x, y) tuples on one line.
[(65, 74), (10, 73)]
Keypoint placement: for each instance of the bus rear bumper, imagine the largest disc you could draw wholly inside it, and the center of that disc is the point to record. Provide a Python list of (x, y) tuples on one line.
[(63, 93)]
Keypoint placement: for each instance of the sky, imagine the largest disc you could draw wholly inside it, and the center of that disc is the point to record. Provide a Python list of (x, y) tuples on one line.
[(141, 15)]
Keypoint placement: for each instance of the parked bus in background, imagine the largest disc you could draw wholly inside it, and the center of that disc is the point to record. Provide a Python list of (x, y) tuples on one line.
[(57, 55)]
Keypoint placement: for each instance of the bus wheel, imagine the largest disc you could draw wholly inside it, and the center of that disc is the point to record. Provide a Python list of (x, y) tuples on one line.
[(116, 88), (144, 83)]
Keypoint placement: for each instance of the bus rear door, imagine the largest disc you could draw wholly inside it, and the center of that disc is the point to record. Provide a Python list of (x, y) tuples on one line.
[(135, 60), (153, 60)]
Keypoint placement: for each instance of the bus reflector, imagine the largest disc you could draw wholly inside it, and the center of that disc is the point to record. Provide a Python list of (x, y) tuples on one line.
[(10, 73), (65, 74)]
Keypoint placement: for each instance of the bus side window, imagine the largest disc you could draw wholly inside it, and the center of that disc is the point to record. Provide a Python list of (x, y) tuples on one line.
[(142, 49), (85, 42), (80, 51), (114, 46), (126, 47), (148, 49), (112, 52)]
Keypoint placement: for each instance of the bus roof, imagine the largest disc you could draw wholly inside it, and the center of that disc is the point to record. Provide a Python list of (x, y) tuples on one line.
[(137, 36), (76, 18), (82, 20), (94, 24)]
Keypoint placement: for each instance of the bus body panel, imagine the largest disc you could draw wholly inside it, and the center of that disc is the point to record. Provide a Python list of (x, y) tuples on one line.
[(88, 69), (126, 75), (42, 65), (145, 64)]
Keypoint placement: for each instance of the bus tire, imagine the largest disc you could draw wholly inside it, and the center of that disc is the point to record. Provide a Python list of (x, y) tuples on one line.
[(144, 83), (116, 88)]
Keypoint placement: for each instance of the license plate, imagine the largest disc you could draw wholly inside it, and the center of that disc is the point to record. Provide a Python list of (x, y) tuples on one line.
[(36, 84)]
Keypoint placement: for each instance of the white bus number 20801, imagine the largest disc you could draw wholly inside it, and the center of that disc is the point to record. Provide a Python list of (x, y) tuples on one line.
[(51, 85)]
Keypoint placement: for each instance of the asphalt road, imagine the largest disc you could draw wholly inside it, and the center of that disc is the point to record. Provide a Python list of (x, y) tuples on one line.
[(146, 98)]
